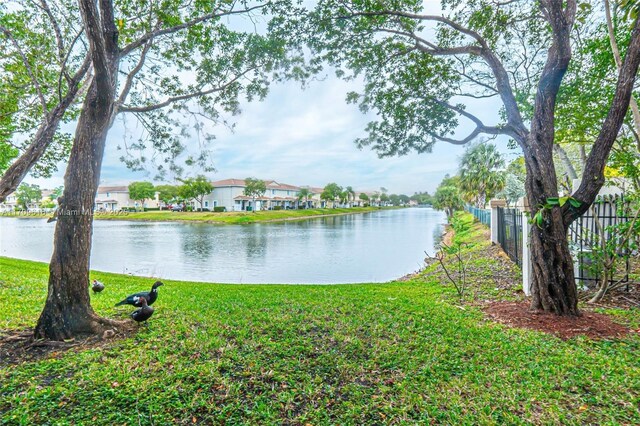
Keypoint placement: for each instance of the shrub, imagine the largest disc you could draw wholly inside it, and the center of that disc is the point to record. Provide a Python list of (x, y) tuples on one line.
[(151, 209), (219, 209), (277, 207)]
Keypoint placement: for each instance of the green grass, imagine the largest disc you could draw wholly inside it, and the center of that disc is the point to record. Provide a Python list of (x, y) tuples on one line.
[(490, 274), (400, 353), (211, 217), (237, 217), (468, 231)]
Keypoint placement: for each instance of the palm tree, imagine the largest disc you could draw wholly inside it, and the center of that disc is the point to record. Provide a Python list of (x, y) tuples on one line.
[(343, 197), (351, 195), (481, 174), (374, 197), (305, 193)]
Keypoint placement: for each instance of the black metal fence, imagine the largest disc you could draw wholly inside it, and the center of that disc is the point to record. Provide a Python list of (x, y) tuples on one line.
[(510, 233), (587, 233), (483, 215)]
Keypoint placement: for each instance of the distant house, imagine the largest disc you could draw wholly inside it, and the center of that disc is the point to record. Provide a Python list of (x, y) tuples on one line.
[(224, 194), (315, 202), (48, 193), (114, 198), (229, 193), (281, 195), (10, 203)]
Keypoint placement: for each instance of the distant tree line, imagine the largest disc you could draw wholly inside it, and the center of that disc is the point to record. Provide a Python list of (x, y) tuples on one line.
[(191, 189)]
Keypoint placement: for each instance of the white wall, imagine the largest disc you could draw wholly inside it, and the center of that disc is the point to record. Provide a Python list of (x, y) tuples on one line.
[(224, 197)]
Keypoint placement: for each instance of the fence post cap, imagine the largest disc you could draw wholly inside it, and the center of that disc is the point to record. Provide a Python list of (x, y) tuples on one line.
[(497, 203), (522, 203)]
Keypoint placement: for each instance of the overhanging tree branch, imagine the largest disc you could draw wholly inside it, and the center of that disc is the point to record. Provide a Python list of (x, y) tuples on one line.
[(481, 128), (129, 82), (56, 29), (503, 85), (463, 73), (635, 111), (63, 66), (153, 34), (44, 136), (27, 65), (148, 108), (593, 176), (416, 16)]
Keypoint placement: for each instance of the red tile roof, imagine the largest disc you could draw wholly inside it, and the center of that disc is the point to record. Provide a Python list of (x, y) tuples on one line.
[(103, 189), (244, 197), (228, 182), (287, 187), (270, 184)]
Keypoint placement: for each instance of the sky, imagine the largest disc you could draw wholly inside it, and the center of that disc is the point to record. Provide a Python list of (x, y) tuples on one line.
[(305, 137)]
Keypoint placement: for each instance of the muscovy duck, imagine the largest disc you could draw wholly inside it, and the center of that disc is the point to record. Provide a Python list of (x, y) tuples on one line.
[(150, 296), (97, 286), (143, 313)]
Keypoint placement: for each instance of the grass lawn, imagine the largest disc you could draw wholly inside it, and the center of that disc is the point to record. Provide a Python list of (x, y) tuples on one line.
[(233, 218), (396, 353)]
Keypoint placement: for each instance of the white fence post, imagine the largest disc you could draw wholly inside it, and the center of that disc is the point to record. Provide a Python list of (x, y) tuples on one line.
[(494, 204), (523, 206), (526, 256)]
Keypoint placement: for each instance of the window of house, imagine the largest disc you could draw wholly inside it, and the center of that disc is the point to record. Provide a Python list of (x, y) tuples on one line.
[(273, 192), (108, 195), (206, 204)]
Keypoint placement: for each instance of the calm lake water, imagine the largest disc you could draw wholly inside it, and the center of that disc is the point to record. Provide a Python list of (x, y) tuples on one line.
[(372, 247)]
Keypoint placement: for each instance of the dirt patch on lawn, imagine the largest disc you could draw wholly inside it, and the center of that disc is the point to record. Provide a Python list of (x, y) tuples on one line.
[(18, 346), (590, 324)]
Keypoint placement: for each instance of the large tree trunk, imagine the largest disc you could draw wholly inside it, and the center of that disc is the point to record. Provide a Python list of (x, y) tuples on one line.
[(68, 312), (553, 282), (553, 287)]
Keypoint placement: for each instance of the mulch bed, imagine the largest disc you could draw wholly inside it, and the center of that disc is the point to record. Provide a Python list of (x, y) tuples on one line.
[(590, 324)]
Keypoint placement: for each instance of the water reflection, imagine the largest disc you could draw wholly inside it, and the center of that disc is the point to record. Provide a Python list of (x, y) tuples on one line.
[(255, 242), (196, 241), (438, 236), (372, 247)]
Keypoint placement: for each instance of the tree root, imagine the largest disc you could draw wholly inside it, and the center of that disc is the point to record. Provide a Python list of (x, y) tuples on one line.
[(38, 343)]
